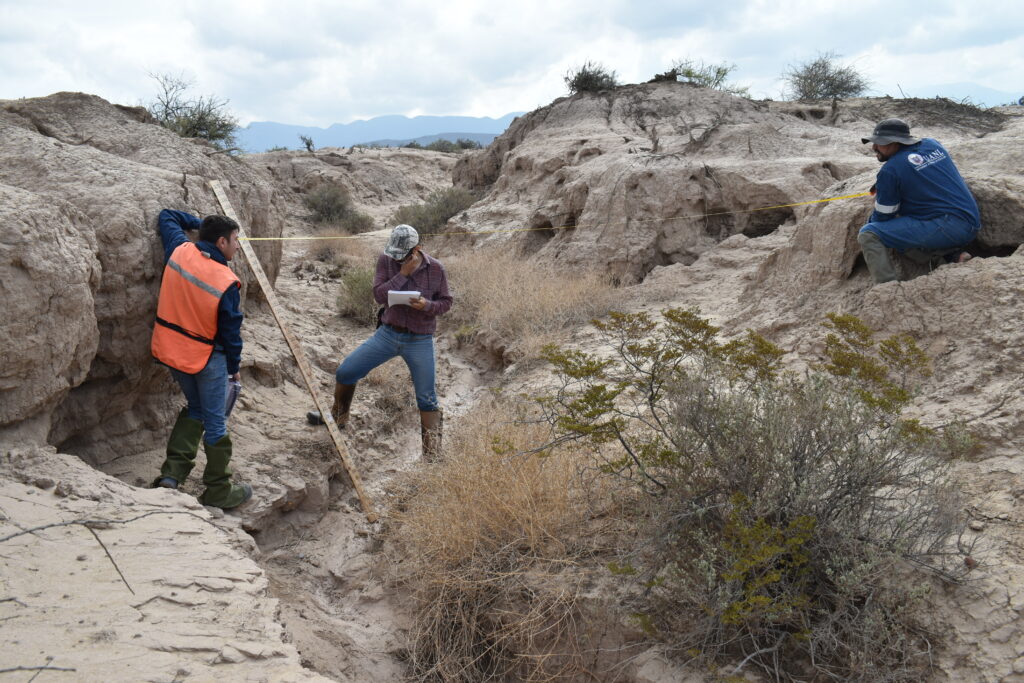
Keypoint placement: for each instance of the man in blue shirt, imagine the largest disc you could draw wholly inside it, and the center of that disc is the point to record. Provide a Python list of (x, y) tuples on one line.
[(922, 204)]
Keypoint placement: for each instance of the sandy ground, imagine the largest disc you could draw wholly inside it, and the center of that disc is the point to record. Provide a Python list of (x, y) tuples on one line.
[(320, 555)]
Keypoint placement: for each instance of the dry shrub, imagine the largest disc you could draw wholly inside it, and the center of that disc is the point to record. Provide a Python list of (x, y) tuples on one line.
[(524, 303), (356, 297), (432, 215), (332, 205), (356, 261), (487, 540), (393, 392), (793, 523)]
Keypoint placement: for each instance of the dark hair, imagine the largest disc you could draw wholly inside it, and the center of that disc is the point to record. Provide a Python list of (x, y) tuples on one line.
[(214, 227)]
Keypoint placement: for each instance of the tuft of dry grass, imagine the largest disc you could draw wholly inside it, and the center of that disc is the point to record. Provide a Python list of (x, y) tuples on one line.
[(394, 397), (488, 541), (524, 303)]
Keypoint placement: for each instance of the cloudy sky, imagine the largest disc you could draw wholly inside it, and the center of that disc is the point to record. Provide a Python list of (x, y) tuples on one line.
[(316, 62)]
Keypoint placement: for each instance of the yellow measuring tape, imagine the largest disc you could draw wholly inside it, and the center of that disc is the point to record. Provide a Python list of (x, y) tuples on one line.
[(570, 227)]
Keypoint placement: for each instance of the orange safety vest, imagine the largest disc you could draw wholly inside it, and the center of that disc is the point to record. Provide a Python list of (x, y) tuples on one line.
[(186, 314)]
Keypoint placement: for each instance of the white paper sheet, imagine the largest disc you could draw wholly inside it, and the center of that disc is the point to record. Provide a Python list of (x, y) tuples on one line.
[(397, 298)]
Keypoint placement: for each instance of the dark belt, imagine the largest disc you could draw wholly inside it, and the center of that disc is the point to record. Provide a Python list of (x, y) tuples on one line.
[(399, 328)]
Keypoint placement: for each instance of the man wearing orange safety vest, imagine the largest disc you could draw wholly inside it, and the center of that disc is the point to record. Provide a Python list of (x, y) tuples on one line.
[(198, 336)]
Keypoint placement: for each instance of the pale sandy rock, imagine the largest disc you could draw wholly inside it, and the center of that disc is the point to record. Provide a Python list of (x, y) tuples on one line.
[(656, 174), (48, 274), (191, 602), (378, 180), (82, 183)]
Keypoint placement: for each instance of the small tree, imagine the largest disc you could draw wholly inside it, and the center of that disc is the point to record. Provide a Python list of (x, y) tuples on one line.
[(307, 141), (591, 77), (204, 117), (823, 78)]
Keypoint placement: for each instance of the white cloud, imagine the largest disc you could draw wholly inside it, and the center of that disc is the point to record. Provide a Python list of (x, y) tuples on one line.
[(317, 62)]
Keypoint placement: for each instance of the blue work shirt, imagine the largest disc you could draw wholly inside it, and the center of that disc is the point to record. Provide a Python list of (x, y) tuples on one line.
[(921, 181)]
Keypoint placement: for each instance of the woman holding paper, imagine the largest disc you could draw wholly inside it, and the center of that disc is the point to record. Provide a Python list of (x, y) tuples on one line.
[(413, 286)]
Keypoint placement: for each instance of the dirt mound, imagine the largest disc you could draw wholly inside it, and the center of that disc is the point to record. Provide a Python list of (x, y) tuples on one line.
[(655, 174)]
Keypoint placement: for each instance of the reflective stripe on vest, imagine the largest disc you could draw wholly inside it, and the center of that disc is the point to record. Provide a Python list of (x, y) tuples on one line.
[(186, 314)]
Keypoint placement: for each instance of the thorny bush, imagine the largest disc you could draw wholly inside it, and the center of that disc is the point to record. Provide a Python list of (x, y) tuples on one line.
[(789, 515)]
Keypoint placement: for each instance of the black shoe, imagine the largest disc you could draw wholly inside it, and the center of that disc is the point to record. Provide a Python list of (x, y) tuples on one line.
[(314, 418)]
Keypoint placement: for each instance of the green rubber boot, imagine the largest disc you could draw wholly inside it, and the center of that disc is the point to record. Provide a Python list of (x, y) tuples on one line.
[(220, 492), (182, 447)]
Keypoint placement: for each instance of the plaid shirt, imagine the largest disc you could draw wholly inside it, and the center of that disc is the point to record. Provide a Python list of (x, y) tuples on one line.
[(430, 280)]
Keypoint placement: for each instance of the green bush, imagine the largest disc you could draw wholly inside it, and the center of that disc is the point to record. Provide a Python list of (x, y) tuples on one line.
[(703, 76), (333, 204), (591, 77), (356, 299), (277, 148), (823, 78), (442, 145), (788, 517), (205, 117), (432, 215)]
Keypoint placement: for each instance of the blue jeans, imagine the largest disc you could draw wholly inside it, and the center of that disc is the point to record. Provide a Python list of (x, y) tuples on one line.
[(206, 392), (417, 350), (906, 232)]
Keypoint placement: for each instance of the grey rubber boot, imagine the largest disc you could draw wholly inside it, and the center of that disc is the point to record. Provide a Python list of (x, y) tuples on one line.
[(431, 428), (343, 394), (877, 257)]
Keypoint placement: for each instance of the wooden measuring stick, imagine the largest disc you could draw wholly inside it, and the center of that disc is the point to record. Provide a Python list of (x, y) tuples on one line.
[(300, 358)]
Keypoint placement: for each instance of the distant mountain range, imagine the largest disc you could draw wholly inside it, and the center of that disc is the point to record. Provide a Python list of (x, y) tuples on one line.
[(260, 136), (483, 138)]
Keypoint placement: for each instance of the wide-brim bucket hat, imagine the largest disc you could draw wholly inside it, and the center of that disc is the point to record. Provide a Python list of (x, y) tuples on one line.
[(889, 131)]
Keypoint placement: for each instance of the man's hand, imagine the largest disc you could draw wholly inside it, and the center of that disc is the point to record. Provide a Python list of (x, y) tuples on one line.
[(418, 302), (237, 377), (411, 263)]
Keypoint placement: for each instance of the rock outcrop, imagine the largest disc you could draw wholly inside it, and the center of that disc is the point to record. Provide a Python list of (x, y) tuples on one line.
[(655, 174), (116, 583), (81, 184), (378, 180)]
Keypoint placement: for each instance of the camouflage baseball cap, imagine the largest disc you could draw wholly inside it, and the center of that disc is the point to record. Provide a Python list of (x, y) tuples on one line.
[(403, 239)]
